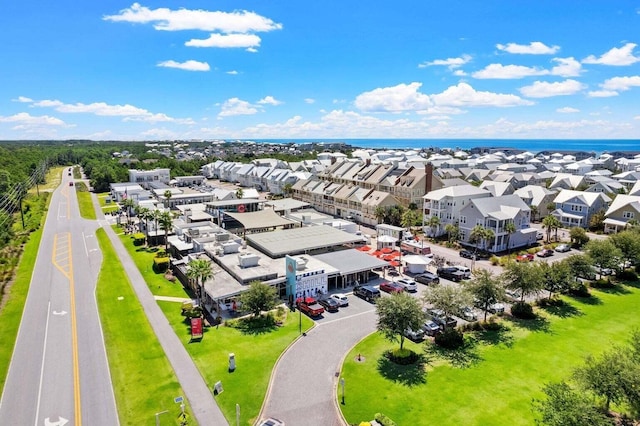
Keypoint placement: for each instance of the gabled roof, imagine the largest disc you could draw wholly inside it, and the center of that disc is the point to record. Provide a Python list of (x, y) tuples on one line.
[(535, 193), (456, 191), (497, 189), (587, 198), (622, 201), (501, 208)]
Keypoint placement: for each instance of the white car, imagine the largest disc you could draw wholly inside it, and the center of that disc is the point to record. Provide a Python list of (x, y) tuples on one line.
[(562, 248), (408, 284), (342, 299)]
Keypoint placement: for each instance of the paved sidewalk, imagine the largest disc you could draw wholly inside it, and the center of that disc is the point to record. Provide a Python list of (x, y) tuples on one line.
[(200, 397)]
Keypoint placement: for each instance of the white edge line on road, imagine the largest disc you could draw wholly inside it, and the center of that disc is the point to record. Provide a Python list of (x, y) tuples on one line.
[(320, 324), (44, 356), (84, 241)]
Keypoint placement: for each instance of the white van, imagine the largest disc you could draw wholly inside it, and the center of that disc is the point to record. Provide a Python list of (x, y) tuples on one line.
[(465, 270)]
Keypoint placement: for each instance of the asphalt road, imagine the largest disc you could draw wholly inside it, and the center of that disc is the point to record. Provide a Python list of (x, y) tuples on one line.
[(59, 372)]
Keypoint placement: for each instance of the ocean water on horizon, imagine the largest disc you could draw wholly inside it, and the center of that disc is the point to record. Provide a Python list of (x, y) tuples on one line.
[(598, 146)]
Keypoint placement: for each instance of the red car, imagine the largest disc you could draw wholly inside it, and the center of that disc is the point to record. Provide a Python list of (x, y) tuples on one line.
[(527, 257), (545, 253), (391, 287)]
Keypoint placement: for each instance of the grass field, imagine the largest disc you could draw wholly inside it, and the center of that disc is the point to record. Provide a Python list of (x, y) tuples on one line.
[(144, 382), (107, 208), (494, 381), (255, 354), (84, 202), (13, 303)]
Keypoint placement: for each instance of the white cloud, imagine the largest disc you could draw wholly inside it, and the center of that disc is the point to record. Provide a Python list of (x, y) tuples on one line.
[(226, 41), (130, 112), (403, 97), (309, 101), (251, 50), (22, 99), (269, 100), (26, 119), (459, 73), (232, 72), (543, 89), (451, 63), (567, 110), (499, 71), (190, 65), (166, 19), (617, 56), (235, 106), (463, 95), (620, 84), (568, 67), (533, 48), (602, 94)]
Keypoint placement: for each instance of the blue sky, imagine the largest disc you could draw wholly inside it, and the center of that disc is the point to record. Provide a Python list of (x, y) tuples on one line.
[(164, 70)]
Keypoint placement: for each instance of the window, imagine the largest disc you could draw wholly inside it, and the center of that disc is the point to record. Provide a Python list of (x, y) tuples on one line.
[(463, 220), (575, 208), (628, 215)]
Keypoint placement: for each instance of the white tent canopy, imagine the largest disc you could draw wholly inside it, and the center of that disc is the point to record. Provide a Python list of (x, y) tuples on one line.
[(414, 259)]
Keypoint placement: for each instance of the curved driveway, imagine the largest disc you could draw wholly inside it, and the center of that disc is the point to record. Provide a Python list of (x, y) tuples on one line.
[(303, 386)]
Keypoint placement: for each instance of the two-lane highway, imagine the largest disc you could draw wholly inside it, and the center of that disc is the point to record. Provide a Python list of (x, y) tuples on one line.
[(59, 372)]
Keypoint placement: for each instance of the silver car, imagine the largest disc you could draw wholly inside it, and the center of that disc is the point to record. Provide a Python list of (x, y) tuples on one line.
[(342, 299), (408, 284)]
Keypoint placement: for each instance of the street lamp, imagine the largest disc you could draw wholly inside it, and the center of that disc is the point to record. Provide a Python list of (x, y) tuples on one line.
[(342, 384)]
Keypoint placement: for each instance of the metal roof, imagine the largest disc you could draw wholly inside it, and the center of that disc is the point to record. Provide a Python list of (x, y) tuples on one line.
[(351, 261), (260, 219)]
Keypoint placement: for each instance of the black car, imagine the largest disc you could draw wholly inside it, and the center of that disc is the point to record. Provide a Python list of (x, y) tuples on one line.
[(467, 254), (427, 278), (451, 273), (329, 304)]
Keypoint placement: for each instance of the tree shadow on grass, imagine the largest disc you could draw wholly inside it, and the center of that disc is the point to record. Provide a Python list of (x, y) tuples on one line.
[(591, 300), (562, 309), (408, 375), (255, 325), (462, 357), (612, 288), (537, 324), (499, 336)]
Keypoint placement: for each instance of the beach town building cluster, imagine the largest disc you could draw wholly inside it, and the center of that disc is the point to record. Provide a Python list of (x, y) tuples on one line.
[(297, 225)]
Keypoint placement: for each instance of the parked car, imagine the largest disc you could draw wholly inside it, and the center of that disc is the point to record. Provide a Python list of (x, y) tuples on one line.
[(527, 257), (342, 299), (603, 271), (513, 295), (539, 235), (465, 271), (408, 284), (467, 254), (496, 308), (545, 253), (467, 313), (271, 422), (437, 316), (430, 328), (427, 278), (367, 292), (451, 273), (391, 287), (562, 248), (329, 304), (416, 336)]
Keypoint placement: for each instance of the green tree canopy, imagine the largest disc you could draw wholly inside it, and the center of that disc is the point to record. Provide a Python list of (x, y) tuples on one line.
[(396, 314), (526, 278), (258, 298), (485, 288), (447, 298)]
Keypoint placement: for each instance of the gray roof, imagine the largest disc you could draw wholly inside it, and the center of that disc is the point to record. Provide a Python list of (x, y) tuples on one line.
[(300, 240), (351, 261), (260, 219)]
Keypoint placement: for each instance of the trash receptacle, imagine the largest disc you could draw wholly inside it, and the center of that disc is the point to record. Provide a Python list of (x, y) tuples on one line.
[(232, 362)]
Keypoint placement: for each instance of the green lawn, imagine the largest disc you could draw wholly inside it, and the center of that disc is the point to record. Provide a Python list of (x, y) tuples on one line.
[(107, 208), (84, 202), (255, 355), (499, 377), (143, 258), (13, 303), (144, 382)]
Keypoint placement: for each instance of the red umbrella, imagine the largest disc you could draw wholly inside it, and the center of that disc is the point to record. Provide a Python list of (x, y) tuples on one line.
[(394, 263), (386, 250)]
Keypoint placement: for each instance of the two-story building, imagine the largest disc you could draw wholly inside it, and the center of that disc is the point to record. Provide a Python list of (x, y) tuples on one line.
[(623, 209), (446, 204), (575, 208)]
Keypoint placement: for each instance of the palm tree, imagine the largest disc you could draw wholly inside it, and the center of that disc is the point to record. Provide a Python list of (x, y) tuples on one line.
[(433, 223), (156, 215), (534, 212), (166, 222), (287, 189), (128, 205), (489, 237), (509, 228), (145, 214), (200, 271), (452, 232), (167, 196), (239, 193), (380, 213), (476, 235), (409, 219), (550, 223)]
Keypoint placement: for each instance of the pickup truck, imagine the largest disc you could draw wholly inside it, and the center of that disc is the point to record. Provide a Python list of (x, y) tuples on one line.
[(310, 306), (451, 273)]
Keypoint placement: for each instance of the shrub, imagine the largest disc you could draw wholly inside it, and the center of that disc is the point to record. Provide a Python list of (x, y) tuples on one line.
[(494, 260), (543, 303), (451, 338), (364, 424), (160, 264), (522, 310), (627, 275), (402, 357), (602, 283), (580, 290), (138, 239), (638, 268), (384, 420)]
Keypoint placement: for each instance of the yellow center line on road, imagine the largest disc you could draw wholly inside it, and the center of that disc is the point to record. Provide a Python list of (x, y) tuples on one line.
[(65, 265)]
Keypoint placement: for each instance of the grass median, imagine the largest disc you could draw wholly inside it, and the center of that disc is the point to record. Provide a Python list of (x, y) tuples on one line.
[(493, 381), (144, 382)]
